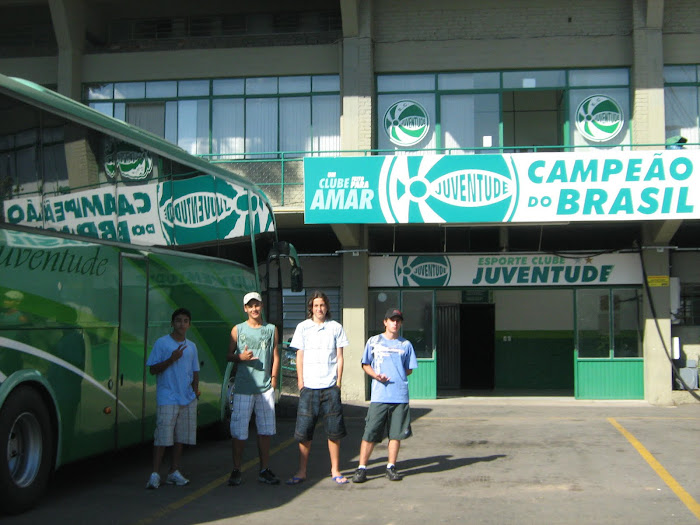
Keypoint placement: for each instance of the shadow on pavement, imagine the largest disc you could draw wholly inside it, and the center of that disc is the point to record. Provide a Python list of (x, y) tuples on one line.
[(430, 464)]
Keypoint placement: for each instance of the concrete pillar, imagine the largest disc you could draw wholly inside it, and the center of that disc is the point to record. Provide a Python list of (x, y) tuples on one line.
[(356, 130), (355, 281), (356, 133), (648, 118), (648, 127), (68, 18), (658, 384)]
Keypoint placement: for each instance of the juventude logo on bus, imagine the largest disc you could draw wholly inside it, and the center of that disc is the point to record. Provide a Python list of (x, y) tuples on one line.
[(599, 118), (406, 123)]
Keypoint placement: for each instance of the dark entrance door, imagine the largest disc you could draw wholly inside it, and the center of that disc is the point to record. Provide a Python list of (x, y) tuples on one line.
[(477, 329)]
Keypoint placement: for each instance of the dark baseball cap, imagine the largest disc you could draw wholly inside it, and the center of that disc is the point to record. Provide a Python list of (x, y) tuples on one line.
[(393, 312)]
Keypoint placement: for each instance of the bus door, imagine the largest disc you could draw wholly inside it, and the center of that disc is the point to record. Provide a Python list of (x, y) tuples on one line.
[(131, 359)]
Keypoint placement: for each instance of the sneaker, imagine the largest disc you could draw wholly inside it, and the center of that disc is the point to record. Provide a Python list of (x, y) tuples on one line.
[(267, 476), (360, 475), (392, 474), (153, 481), (235, 478), (175, 478)]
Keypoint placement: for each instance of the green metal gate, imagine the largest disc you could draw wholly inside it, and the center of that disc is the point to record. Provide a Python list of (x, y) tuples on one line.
[(608, 356)]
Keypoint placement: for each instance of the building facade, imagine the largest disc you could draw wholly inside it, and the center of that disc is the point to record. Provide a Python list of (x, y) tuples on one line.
[(513, 299)]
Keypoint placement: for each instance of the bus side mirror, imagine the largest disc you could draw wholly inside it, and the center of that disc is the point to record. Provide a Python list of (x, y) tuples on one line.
[(297, 279)]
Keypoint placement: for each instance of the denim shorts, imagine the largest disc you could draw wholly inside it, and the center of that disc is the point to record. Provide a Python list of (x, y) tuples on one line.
[(315, 403)]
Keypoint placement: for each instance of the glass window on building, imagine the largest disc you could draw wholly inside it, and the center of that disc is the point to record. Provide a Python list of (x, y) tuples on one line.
[(469, 122), (608, 323), (231, 119), (228, 131), (417, 309), (627, 319), (681, 93), (148, 116), (593, 323), (509, 111), (689, 311), (379, 303)]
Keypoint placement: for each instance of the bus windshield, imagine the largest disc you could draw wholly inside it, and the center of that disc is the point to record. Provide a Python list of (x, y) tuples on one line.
[(68, 168)]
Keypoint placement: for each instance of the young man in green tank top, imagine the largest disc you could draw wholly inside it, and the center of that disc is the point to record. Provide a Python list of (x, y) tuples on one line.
[(253, 347)]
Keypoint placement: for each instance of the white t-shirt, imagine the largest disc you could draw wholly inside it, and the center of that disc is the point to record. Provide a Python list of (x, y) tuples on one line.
[(320, 343)]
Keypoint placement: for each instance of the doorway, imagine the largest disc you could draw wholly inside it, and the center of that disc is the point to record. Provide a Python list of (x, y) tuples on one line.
[(465, 346), (477, 326)]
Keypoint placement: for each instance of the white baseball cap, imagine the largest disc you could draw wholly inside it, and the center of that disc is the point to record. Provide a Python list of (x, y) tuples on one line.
[(250, 296)]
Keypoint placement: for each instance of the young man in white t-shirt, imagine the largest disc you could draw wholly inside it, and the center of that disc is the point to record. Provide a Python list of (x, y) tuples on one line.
[(319, 342)]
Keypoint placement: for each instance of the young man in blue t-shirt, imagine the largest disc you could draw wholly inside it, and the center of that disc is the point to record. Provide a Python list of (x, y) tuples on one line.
[(388, 359), (175, 364)]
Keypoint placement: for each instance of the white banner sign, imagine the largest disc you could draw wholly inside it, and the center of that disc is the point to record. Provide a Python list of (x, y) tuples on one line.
[(505, 269)]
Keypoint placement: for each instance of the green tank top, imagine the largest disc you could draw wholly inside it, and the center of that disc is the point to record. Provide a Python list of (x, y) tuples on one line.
[(255, 377)]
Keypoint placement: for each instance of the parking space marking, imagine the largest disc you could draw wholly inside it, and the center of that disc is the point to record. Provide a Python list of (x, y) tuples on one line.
[(207, 488), (676, 487)]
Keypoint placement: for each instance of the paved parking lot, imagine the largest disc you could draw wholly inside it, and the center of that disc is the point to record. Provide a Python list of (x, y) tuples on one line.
[(471, 460)]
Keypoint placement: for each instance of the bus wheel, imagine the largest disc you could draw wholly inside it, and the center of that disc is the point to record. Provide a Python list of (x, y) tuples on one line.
[(26, 449)]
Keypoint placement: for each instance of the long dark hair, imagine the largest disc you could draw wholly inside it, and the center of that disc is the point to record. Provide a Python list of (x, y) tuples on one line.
[(310, 304)]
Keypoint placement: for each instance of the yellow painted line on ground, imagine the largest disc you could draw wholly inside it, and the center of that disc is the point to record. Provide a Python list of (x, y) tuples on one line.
[(662, 418), (679, 491), (206, 488)]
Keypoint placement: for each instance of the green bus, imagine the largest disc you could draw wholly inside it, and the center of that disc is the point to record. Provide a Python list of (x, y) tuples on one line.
[(105, 229)]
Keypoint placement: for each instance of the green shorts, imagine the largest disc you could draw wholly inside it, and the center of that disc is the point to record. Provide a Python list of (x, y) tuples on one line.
[(387, 419)]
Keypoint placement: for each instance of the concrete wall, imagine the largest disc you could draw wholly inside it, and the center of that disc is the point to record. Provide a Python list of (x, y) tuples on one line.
[(448, 35), (194, 63), (534, 310)]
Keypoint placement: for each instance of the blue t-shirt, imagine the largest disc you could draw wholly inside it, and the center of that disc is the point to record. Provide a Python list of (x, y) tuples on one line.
[(174, 384), (391, 357)]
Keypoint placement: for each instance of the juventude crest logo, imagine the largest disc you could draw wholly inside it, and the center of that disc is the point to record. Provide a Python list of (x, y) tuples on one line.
[(599, 118), (447, 188), (406, 123), (422, 270)]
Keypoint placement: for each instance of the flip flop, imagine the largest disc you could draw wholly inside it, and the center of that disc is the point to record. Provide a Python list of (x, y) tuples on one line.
[(340, 480), (295, 480)]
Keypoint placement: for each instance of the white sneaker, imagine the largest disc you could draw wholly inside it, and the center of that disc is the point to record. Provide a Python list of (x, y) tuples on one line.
[(175, 478), (153, 481)]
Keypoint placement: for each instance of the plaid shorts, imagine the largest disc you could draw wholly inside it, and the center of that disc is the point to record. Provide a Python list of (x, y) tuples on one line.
[(242, 408), (176, 424)]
